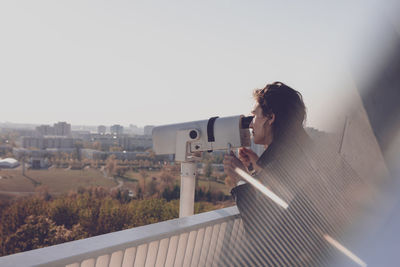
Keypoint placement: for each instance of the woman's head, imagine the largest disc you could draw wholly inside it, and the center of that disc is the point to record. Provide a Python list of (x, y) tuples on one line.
[(279, 111)]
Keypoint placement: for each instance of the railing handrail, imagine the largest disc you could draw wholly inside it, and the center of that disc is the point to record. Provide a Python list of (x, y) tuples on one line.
[(79, 250)]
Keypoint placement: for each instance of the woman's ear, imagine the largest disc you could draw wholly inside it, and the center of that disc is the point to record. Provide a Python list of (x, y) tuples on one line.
[(271, 118)]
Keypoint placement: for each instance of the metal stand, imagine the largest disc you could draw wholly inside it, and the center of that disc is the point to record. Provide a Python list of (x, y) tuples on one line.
[(188, 184)]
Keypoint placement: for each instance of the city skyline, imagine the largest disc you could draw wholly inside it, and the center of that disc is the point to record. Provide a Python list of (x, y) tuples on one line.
[(10, 124)]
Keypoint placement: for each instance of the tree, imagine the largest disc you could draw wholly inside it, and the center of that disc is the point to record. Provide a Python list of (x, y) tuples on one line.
[(64, 212), (169, 194), (77, 152), (152, 210), (111, 165), (120, 171), (96, 145), (112, 216), (167, 180), (142, 182), (153, 187), (207, 170), (14, 215), (152, 155), (116, 149), (38, 231), (43, 192)]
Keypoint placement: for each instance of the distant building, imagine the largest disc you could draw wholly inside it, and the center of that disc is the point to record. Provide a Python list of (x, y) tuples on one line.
[(8, 163), (138, 142), (142, 141), (101, 129), (45, 129), (62, 128), (25, 132), (128, 143), (83, 135), (135, 129), (117, 129), (92, 129), (315, 133), (39, 163), (118, 155), (148, 129), (4, 149), (88, 153), (42, 153), (106, 141), (59, 128), (47, 142), (36, 159)]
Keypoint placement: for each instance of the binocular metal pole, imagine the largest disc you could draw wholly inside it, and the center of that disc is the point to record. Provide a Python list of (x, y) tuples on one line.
[(188, 185)]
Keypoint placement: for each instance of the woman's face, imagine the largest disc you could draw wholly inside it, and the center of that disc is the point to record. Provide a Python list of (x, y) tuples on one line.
[(261, 126)]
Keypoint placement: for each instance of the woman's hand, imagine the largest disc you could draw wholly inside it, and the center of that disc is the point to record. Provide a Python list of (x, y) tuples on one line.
[(231, 162), (249, 158)]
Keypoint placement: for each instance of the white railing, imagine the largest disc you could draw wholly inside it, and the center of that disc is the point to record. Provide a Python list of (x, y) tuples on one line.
[(197, 240)]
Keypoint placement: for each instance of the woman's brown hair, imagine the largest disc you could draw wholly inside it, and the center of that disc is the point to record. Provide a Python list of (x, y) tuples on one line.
[(287, 105)]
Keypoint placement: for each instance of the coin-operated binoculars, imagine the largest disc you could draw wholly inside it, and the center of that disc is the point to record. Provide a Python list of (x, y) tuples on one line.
[(186, 140)]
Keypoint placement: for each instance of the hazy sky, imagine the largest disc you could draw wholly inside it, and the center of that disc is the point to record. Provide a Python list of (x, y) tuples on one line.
[(159, 62)]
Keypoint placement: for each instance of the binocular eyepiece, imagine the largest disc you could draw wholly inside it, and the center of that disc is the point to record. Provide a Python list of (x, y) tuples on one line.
[(246, 121)]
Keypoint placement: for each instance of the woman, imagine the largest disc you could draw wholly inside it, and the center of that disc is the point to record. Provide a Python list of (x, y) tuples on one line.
[(276, 236)]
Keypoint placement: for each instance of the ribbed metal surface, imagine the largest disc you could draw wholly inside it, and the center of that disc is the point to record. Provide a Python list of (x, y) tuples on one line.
[(200, 247)]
